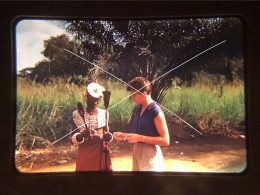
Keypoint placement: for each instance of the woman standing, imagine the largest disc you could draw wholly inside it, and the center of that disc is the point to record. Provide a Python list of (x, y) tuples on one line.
[(149, 129), (92, 125)]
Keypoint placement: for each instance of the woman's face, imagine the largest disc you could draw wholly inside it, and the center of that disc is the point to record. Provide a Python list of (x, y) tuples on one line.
[(137, 97)]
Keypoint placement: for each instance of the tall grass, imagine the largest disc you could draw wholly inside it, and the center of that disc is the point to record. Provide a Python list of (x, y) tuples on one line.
[(44, 112), (226, 102)]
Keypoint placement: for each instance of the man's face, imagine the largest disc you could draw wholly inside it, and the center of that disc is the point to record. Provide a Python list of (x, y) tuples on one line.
[(92, 102)]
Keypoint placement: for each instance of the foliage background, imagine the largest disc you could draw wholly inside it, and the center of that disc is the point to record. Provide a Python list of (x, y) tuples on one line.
[(44, 112), (210, 86)]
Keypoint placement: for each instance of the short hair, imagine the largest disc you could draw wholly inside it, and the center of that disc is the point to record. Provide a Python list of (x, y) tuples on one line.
[(141, 84)]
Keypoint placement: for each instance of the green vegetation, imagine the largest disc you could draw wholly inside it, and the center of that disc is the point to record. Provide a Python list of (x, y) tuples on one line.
[(191, 103), (44, 111), (147, 48), (209, 86)]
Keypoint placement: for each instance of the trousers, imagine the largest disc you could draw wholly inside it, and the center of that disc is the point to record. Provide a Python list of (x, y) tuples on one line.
[(147, 157)]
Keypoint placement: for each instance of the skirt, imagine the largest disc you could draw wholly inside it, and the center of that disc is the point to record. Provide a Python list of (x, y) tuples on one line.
[(91, 158), (147, 157)]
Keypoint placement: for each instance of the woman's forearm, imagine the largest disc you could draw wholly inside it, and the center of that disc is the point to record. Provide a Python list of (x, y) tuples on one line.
[(155, 140), (133, 138)]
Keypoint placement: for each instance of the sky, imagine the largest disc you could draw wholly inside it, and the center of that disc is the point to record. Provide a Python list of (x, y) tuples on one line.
[(30, 35)]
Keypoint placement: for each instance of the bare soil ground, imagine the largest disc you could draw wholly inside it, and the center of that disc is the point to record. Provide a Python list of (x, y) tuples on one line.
[(216, 153)]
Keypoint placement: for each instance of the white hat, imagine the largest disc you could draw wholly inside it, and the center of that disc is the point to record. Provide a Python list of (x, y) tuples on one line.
[(95, 90)]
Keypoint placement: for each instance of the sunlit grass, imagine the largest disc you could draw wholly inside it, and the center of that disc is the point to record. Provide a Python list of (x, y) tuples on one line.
[(227, 103), (44, 112)]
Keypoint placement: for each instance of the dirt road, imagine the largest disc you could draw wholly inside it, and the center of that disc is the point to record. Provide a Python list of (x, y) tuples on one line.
[(210, 155)]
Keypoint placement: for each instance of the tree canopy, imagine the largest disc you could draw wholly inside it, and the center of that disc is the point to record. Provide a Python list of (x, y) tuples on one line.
[(148, 48)]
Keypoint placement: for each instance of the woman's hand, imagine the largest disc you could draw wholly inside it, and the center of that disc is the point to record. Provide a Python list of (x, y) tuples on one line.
[(119, 136), (133, 138)]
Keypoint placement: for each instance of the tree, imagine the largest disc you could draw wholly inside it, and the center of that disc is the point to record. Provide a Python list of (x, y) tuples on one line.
[(158, 46), (96, 41), (59, 62), (148, 48)]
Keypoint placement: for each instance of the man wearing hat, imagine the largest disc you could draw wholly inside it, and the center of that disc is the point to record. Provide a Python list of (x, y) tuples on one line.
[(92, 125)]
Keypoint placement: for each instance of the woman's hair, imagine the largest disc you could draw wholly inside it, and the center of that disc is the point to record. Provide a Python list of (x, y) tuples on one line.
[(141, 84)]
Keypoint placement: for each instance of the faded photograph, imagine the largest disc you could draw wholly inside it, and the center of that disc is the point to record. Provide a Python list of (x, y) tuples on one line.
[(151, 95)]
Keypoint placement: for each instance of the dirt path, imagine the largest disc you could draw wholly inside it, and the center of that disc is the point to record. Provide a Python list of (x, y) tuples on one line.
[(207, 163), (210, 155)]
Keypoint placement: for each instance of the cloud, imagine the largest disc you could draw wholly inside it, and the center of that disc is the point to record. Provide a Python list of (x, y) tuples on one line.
[(30, 35)]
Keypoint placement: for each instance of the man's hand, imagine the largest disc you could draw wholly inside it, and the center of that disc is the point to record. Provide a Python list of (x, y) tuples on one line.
[(79, 137), (82, 135), (108, 137)]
